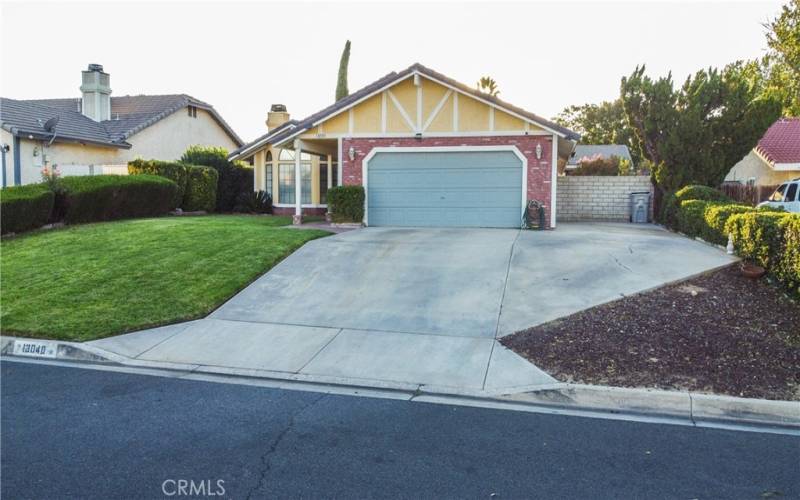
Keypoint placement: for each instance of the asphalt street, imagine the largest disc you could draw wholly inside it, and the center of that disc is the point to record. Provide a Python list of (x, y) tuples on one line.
[(76, 433)]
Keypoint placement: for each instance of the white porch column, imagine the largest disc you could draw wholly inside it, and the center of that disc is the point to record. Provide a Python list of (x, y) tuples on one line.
[(330, 171), (298, 184)]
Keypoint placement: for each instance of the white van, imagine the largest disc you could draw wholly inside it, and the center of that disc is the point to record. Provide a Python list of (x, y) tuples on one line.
[(787, 196)]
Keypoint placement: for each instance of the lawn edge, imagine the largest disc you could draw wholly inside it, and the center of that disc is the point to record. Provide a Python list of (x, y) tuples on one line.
[(696, 408)]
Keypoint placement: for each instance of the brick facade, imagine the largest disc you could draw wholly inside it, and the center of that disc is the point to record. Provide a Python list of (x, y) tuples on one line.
[(539, 170), (599, 198), (306, 211)]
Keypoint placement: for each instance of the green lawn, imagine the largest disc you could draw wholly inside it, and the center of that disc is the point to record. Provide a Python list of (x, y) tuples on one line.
[(91, 281)]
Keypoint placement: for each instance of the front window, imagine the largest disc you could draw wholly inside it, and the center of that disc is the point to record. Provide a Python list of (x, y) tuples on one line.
[(778, 194), (323, 182), (268, 176), (286, 183), (286, 186)]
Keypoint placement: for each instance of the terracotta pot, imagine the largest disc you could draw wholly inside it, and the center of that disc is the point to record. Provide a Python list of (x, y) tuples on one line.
[(752, 271)]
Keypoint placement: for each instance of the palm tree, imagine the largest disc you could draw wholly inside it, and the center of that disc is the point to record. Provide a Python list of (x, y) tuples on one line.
[(487, 85)]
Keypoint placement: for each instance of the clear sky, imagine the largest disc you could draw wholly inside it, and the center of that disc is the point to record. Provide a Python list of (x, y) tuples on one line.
[(241, 57)]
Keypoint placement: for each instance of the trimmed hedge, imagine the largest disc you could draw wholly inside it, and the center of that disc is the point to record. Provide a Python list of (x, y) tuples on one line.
[(201, 189), (672, 201), (174, 171), (772, 239), (235, 177), (346, 203), (109, 197), (23, 208)]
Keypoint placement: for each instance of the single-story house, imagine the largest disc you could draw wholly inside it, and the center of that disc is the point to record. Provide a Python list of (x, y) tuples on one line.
[(96, 133), (429, 151), (775, 159), (587, 152)]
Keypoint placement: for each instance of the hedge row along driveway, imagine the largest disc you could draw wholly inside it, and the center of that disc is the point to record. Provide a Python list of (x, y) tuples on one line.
[(92, 281)]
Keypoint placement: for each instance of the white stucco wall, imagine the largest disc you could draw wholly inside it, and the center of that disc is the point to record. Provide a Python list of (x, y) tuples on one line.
[(752, 166), (165, 140)]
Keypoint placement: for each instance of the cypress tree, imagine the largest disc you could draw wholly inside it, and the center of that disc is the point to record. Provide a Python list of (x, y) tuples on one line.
[(341, 82)]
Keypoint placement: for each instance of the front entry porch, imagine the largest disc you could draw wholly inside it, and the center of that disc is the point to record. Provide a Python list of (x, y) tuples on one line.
[(314, 162)]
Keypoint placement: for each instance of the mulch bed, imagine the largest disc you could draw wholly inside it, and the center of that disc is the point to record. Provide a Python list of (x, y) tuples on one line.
[(719, 333)]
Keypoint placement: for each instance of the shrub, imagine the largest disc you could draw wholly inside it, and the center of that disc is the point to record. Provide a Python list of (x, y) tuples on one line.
[(174, 171), (25, 207), (691, 217), (255, 202), (772, 239), (597, 165), (672, 201), (201, 189), (235, 178), (787, 267), (346, 203), (108, 197), (716, 216)]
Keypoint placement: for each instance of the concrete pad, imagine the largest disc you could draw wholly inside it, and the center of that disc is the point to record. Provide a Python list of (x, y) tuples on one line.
[(578, 266), (134, 344), (237, 344), (408, 358), (508, 370), (433, 281)]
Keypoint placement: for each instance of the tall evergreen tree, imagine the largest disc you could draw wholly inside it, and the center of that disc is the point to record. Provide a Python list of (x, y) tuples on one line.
[(694, 134), (603, 123), (341, 81)]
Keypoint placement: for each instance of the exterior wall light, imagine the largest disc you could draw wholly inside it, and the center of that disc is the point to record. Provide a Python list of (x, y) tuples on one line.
[(351, 153), (538, 151)]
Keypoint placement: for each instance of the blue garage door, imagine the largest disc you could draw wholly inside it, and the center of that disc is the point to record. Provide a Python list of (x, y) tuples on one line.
[(445, 189)]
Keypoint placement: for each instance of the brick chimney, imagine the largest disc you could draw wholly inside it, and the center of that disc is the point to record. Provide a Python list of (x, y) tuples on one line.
[(277, 116), (96, 93)]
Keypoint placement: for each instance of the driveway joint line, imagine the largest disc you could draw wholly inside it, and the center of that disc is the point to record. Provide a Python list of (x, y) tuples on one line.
[(355, 329), (185, 326), (319, 351), (500, 309)]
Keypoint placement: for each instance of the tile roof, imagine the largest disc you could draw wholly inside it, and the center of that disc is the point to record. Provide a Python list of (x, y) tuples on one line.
[(604, 150), (129, 115), (781, 142), (308, 122)]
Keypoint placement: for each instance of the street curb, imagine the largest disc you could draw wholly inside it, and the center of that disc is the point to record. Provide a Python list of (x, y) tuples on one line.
[(697, 408)]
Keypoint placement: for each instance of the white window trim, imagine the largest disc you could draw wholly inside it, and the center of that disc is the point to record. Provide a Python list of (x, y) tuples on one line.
[(441, 149)]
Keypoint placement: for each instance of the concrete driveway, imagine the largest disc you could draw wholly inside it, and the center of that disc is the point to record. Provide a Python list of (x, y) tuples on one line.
[(423, 306)]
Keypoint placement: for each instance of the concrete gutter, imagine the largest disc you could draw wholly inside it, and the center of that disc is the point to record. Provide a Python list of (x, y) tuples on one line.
[(600, 401)]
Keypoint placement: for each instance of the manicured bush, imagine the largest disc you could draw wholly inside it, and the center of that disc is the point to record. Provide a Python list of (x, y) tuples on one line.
[(235, 177), (23, 208), (346, 203), (787, 269), (108, 197), (672, 201), (172, 170), (201, 189), (255, 202), (716, 216)]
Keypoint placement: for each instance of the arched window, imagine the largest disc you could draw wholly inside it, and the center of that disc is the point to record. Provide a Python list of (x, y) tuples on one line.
[(268, 173), (286, 154)]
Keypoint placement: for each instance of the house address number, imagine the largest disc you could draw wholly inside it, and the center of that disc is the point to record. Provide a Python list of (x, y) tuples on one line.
[(34, 348)]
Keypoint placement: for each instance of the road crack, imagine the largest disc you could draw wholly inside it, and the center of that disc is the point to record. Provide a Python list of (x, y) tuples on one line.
[(273, 446)]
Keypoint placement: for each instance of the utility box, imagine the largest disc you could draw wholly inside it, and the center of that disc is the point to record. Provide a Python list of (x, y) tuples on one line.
[(640, 207)]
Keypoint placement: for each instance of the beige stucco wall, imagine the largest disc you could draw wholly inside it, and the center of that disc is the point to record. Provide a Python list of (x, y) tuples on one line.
[(165, 140), (752, 166)]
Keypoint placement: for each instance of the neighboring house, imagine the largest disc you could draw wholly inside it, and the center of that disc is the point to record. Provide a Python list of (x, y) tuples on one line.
[(428, 150), (775, 159), (97, 133), (585, 152)]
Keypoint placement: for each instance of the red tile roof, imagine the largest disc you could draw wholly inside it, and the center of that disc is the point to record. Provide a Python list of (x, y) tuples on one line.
[(781, 142)]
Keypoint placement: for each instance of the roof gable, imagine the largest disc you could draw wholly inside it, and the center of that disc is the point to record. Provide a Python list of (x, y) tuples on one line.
[(407, 113)]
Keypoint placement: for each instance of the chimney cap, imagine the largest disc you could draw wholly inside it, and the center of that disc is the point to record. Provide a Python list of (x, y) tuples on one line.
[(95, 67), (278, 108)]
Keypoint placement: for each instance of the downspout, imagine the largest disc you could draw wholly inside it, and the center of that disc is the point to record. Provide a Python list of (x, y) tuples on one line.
[(17, 163), (3, 149)]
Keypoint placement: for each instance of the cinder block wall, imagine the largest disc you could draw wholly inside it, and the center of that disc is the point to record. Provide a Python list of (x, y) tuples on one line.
[(599, 198)]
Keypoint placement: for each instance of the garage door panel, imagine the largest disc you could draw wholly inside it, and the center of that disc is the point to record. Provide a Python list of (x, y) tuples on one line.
[(451, 189)]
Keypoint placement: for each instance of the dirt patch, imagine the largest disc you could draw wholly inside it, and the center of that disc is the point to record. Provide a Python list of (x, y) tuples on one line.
[(719, 333)]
